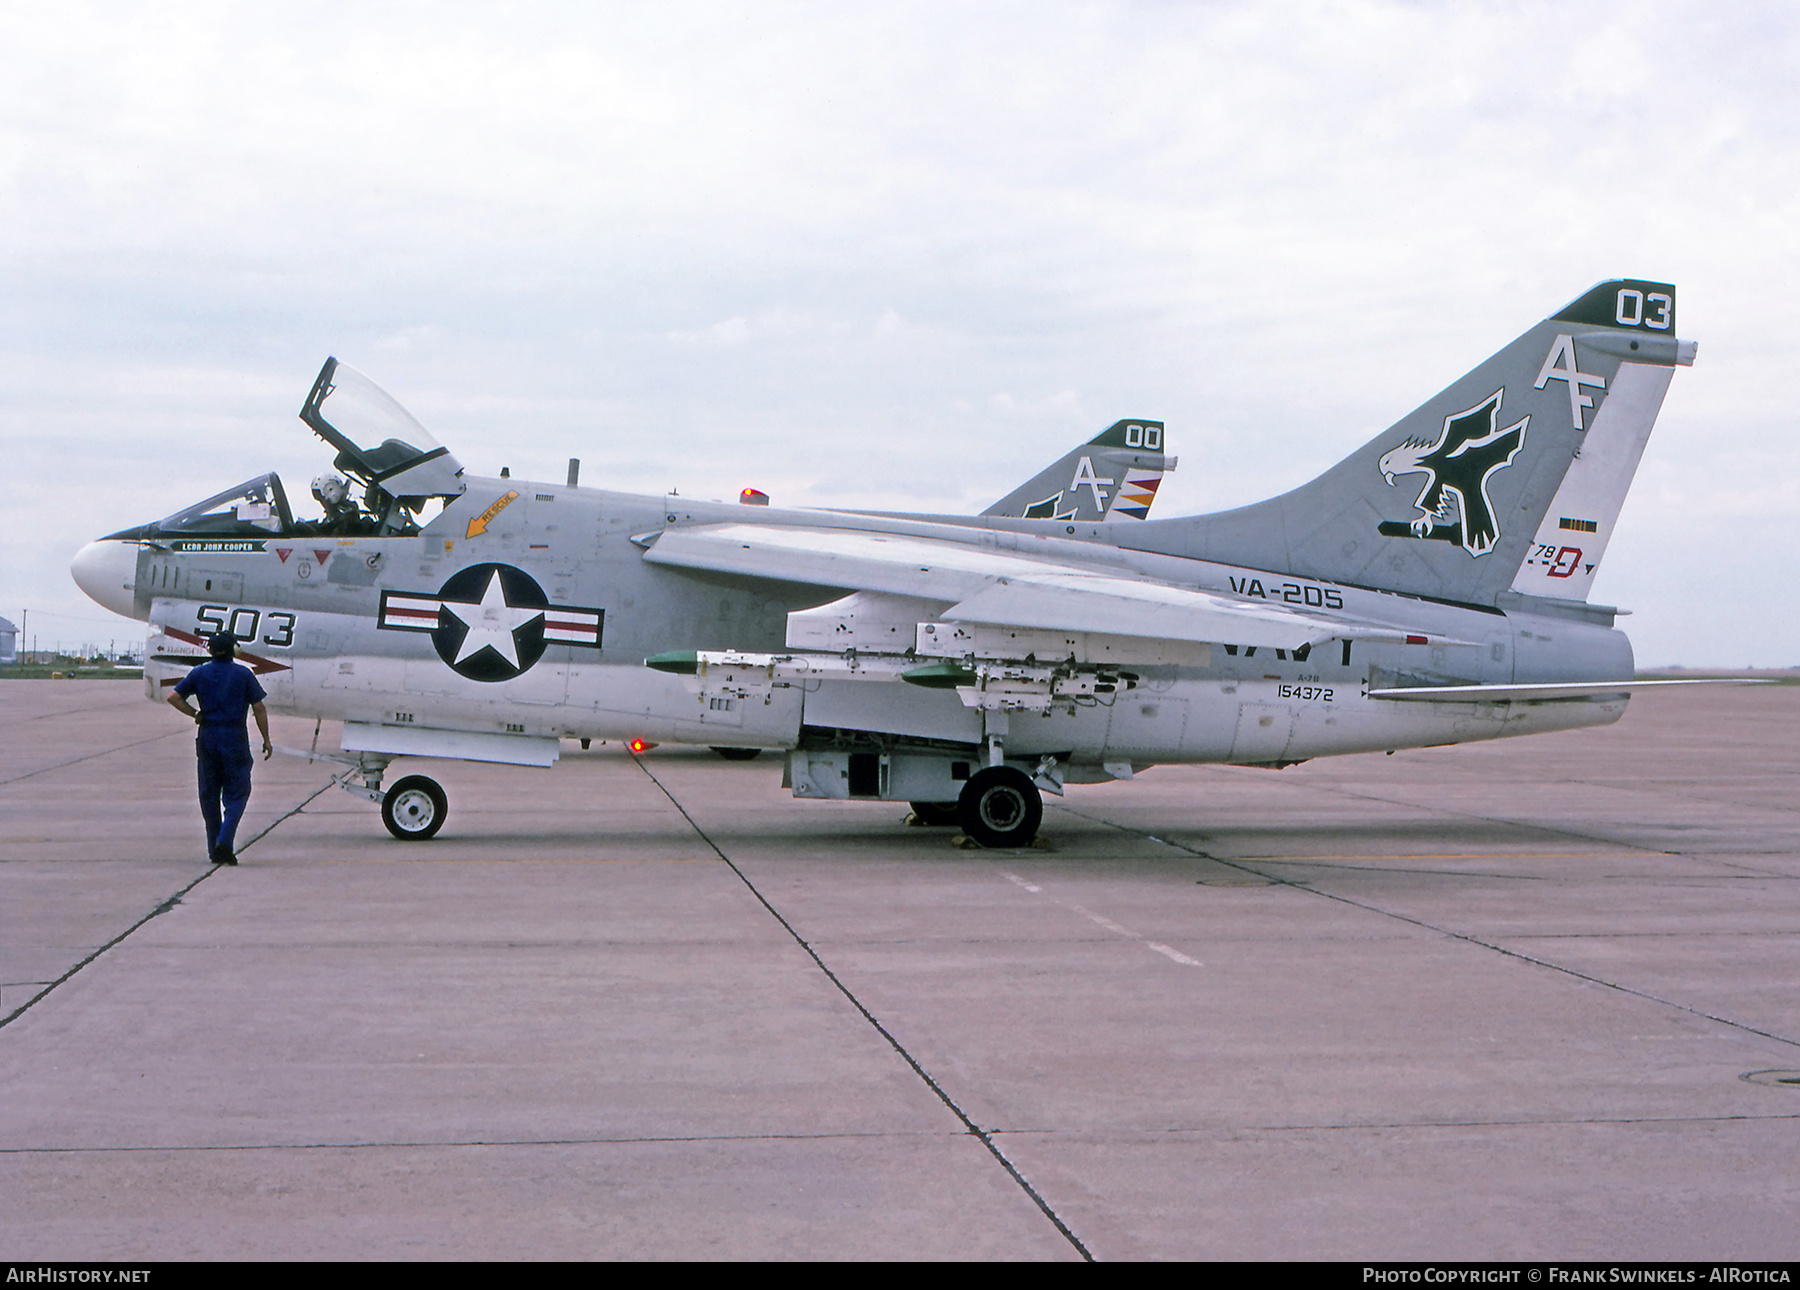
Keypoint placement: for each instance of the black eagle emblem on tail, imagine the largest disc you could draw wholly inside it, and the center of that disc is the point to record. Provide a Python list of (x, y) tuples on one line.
[(1457, 466)]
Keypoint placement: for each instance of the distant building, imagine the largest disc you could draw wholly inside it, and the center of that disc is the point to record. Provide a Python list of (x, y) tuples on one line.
[(9, 642)]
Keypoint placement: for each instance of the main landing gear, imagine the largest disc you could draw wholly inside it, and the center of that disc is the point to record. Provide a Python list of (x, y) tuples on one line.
[(1000, 807)]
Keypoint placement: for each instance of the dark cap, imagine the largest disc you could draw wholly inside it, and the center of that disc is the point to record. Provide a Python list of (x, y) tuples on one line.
[(222, 645)]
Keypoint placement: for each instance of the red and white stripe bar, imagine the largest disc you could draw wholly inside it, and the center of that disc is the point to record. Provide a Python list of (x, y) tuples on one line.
[(572, 626), (410, 613)]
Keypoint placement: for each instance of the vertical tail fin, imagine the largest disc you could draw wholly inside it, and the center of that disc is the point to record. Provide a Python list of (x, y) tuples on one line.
[(1113, 476), (1509, 480), (1639, 319)]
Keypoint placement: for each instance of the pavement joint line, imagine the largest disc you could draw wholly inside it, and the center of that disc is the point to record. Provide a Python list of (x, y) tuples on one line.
[(307, 801), (1555, 830), (974, 1130), (458, 1143), (1472, 855), (1749, 875), (164, 907), (1465, 937), (1743, 870), (1385, 1125), (436, 862), (92, 707), (76, 761), (1627, 936), (1394, 868), (403, 1144)]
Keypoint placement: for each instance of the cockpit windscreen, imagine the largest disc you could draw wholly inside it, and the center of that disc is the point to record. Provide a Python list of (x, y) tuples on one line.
[(252, 508)]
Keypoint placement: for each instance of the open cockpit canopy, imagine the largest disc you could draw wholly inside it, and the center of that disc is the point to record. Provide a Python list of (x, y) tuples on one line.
[(378, 441)]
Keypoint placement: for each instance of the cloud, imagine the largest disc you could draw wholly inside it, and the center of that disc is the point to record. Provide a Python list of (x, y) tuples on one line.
[(807, 244), (1063, 405)]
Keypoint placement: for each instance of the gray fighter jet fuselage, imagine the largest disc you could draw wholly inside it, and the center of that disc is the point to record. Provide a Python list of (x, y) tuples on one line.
[(1431, 589)]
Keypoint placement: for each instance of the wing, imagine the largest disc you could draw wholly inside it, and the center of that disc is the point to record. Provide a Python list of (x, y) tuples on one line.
[(979, 584)]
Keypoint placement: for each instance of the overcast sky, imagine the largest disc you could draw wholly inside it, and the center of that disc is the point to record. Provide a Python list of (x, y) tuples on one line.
[(886, 255)]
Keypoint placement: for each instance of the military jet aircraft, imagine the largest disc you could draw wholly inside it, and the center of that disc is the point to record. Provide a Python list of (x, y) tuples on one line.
[(1429, 589)]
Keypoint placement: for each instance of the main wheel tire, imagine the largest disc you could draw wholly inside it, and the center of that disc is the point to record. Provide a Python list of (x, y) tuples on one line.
[(414, 808), (937, 813), (1000, 807), (738, 754)]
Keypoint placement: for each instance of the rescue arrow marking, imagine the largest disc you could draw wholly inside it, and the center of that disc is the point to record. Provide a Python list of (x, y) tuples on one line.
[(257, 663), (480, 522)]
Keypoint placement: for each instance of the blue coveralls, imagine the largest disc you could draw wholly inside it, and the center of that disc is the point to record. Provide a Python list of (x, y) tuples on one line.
[(225, 691)]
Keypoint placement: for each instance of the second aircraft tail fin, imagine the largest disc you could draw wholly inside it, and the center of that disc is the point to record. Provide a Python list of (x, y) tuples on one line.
[(1113, 476)]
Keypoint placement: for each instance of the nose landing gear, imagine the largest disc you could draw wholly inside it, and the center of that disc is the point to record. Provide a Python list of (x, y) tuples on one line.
[(414, 808)]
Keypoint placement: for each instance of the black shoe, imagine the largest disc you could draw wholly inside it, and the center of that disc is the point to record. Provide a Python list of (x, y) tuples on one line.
[(223, 855)]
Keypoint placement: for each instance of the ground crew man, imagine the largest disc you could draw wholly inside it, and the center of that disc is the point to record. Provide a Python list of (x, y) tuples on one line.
[(227, 691)]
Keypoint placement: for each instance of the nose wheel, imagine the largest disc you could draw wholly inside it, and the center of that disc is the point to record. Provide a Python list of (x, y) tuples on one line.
[(414, 808)]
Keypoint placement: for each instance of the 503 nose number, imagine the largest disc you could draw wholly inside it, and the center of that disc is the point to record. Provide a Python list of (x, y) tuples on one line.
[(246, 623)]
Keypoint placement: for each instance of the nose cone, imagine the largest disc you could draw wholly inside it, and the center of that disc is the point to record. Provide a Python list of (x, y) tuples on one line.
[(107, 572)]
